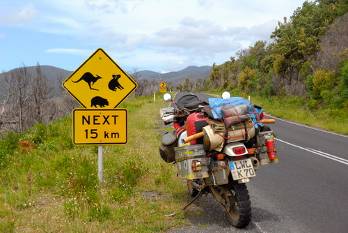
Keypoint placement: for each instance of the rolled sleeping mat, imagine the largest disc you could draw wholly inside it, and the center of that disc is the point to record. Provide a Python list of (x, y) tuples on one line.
[(234, 114), (211, 140), (240, 132)]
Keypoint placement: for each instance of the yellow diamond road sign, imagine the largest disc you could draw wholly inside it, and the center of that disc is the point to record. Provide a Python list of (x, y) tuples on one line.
[(99, 82), (104, 126), (163, 87)]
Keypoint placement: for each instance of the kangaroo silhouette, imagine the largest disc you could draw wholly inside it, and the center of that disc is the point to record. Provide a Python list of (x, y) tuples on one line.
[(99, 101), (114, 83), (90, 79)]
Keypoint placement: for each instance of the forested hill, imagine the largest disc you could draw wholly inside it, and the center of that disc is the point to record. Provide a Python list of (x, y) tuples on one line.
[(307, 56)]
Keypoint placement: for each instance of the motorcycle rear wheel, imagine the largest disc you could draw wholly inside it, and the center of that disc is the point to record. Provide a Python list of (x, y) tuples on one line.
[(238, 205)]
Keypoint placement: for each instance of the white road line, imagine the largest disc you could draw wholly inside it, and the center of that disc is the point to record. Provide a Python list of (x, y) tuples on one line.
[(327, 154), (306, 126), (318, 152), (259, 228)]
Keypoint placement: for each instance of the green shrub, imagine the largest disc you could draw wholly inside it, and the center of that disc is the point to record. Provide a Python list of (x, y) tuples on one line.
[(131, 172), (38, 134), (122, 193), (323, 80), (344, 80), (100, 213), (8, 145)]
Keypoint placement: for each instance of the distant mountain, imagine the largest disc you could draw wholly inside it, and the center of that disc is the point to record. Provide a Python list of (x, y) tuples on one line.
[(147, 74), (54, 75), (191, 72)]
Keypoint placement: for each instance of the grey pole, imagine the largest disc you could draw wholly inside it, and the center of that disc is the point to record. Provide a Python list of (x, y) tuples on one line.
[(100, 163)]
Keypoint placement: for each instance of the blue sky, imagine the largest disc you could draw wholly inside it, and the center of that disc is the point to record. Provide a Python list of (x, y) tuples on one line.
[(159, 35)]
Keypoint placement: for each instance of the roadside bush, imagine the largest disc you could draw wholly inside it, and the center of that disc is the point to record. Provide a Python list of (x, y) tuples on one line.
[(38, 134), (8, 145), (323, 80), (344, 80)]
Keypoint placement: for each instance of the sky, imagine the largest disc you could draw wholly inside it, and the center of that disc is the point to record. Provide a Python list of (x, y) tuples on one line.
[(158, 35)]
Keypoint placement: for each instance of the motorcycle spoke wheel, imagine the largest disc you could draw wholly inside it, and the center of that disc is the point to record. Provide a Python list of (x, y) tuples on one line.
[(238, 206)]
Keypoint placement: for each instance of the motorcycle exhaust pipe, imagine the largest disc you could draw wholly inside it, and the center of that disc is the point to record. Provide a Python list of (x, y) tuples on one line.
[(256, 162)]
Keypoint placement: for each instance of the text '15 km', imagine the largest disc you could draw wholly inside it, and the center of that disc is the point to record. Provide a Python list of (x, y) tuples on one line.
[(108, 126)]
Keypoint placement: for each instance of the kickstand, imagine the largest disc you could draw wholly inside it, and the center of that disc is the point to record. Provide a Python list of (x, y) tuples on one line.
[(193, 200)]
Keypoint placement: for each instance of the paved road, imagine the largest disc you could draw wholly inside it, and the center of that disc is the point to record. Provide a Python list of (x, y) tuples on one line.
[(307, 191)]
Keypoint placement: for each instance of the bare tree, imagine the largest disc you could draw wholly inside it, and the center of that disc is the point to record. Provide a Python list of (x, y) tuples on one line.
[(18, 94), (39, 95)]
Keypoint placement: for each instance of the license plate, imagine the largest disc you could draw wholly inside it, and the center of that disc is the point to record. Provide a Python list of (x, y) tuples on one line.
[(241, 169)]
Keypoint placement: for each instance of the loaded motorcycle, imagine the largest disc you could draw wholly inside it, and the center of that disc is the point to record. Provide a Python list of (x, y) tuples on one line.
[(217, 144)]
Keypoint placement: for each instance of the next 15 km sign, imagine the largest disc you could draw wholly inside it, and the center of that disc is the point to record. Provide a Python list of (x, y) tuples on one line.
[(107, 126)]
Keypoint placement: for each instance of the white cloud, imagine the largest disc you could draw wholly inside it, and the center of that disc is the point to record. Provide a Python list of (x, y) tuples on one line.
[(70, 51), (17, 16), (166, 33)]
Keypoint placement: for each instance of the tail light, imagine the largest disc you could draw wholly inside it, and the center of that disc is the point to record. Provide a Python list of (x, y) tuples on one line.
[(239, 150), (196, 166)]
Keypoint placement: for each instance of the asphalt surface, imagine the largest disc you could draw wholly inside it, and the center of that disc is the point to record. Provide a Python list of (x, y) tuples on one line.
[(307, 191)]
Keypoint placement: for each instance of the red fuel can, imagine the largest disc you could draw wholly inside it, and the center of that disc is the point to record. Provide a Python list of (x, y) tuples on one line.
[(194, 124)]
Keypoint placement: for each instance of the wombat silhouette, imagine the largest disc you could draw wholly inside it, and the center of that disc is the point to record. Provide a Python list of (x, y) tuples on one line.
[(99, 101), (114, 83), (90, 79)]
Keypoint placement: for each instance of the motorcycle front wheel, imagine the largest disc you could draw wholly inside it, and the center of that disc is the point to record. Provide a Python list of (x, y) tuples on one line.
[(238, 205)]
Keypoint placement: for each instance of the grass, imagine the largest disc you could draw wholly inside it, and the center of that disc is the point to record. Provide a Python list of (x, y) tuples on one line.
[(295, 109), (50, 185)]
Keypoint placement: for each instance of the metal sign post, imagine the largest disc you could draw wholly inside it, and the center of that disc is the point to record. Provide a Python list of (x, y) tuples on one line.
[(100, 163)]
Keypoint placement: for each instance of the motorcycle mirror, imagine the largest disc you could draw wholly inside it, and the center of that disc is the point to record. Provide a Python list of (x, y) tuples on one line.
[(167, 97), (226, 95)]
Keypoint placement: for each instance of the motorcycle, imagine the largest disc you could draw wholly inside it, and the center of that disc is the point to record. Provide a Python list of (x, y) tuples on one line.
[(217, 145)]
